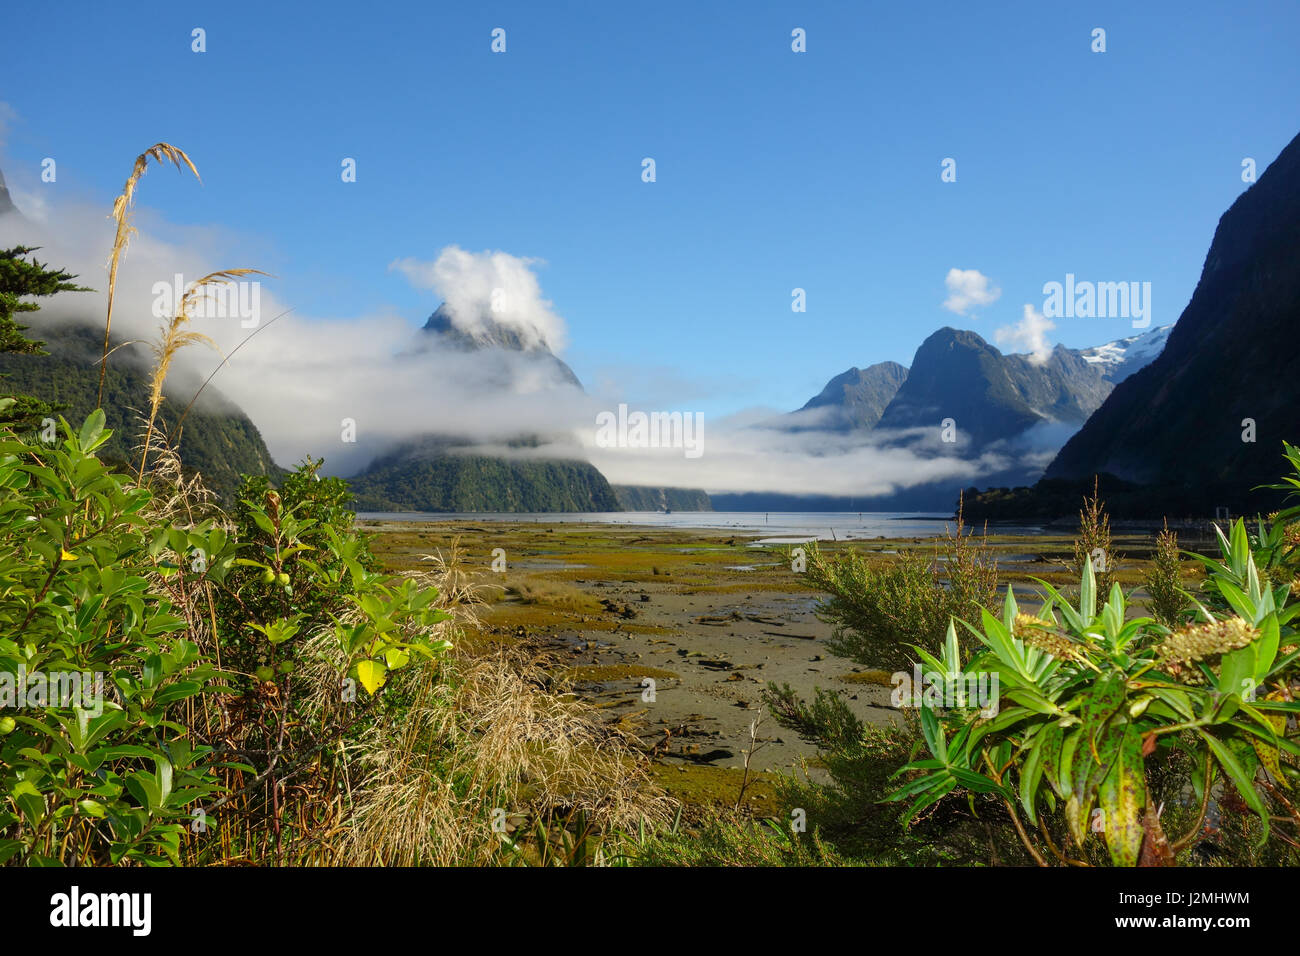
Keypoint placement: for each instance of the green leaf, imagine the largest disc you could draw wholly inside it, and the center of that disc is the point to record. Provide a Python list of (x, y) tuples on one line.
[(1088, 591), (1240, 778), (1123, 795), (91, 430), (372, 675), (1031, 772)]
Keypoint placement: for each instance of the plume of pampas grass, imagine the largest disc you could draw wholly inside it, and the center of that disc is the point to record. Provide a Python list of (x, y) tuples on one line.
[(159, 153), (176, 336)]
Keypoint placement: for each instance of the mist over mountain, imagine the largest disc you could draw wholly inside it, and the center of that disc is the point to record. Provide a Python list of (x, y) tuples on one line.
[(854, 399), (489, 337)]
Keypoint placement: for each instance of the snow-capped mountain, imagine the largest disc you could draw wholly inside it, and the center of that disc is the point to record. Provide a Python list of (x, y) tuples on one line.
[(1119, 359)]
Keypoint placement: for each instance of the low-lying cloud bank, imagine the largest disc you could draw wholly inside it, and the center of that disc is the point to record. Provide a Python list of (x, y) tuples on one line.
[(311, 382)]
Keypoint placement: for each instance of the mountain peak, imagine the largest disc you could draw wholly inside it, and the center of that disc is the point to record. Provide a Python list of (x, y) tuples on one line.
[(6, 203), (855, 398), (488, 333), (1119, 359)]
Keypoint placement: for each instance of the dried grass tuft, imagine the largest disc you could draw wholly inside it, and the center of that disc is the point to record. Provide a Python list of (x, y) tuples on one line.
[(484, 733)]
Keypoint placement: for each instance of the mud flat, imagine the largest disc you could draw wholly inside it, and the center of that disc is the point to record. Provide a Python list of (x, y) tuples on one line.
[(709, 618)]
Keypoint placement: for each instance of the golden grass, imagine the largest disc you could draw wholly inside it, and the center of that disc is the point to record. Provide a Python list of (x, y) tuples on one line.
[(554, 594), (483, 740), (159, 153), (175, 337)]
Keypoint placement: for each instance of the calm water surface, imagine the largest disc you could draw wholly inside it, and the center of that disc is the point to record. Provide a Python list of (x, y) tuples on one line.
[(774, 526)]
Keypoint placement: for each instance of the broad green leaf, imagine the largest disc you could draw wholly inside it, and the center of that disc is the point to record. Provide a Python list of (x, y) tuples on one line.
[(1123, 795), (1240, 778), (372, 675)]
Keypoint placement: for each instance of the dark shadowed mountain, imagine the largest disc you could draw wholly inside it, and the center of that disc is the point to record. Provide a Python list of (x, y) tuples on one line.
[(852, 400), (218, 440), (990, 396), (1184, 422), (435, 474)]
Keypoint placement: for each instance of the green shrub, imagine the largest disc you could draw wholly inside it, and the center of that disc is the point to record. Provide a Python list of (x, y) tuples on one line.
[(86, 780), (880, 612), (850, 812), (1095, 709)]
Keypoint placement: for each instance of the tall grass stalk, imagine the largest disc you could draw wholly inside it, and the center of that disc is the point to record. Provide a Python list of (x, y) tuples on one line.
[(176, 336), (159, 153)]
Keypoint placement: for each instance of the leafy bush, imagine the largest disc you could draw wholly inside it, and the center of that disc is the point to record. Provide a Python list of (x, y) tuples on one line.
[(879, 612), (1094, 707), (86, 780)]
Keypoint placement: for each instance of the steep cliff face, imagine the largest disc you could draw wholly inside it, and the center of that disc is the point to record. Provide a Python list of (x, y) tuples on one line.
[(642, 498), (1230, 363)]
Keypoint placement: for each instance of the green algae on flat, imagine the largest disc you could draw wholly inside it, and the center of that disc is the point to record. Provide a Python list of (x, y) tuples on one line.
[(587, 673)]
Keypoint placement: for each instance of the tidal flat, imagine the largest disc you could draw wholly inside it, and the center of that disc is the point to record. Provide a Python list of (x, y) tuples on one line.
[(675, 633)]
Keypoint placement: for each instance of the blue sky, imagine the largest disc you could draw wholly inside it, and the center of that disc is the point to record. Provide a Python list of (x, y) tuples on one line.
[(775, 170)]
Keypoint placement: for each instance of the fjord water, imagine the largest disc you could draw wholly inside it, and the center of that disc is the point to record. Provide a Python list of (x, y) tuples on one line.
[(775, 526)]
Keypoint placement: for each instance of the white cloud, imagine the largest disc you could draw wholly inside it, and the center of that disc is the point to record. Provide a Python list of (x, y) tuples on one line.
[(968, 288), (740, 457), (484, 287), (299, 378), (1030, 334)]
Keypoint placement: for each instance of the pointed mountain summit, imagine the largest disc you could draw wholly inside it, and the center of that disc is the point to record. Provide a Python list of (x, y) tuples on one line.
[(854, 399), (487, 334), (992, 396)]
